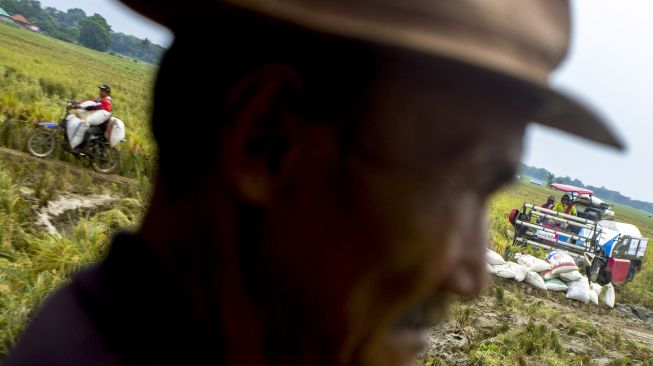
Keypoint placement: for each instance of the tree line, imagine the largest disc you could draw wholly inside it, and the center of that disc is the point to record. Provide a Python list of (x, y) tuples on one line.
[(93, 31), (601, 192)]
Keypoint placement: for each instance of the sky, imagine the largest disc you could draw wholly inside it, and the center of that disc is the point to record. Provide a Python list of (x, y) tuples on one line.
[(121, 18), (610, 66)]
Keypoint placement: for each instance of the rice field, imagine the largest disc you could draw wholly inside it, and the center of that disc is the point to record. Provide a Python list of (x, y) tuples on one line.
[(38, 74)]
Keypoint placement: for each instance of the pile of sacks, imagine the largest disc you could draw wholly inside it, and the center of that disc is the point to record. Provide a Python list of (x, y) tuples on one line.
[(560, 273)]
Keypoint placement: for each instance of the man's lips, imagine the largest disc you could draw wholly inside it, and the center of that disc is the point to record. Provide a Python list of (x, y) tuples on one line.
[(411, 320), (423, 315), (409, 333), (410, 341)]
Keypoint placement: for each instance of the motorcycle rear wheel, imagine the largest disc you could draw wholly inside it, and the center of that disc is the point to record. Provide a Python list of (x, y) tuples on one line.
[(105, 159)]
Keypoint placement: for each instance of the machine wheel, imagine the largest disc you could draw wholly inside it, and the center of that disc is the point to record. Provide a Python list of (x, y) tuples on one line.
[(508, 252), (593, 215), (41, 143), (634, 268), (596, 272), (105, 158)]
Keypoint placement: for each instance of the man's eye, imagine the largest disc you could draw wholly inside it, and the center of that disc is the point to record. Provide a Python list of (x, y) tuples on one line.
[(489, 188), (490, 184)]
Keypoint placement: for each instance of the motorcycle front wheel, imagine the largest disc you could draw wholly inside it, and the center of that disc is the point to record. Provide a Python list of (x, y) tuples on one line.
[(105, 158), (41, 143)]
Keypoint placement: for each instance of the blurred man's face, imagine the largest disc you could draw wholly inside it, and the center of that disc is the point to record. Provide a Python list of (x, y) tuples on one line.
[(369, 240)]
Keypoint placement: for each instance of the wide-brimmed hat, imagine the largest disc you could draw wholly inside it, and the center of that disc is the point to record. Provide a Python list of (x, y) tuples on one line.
[(522, 41)]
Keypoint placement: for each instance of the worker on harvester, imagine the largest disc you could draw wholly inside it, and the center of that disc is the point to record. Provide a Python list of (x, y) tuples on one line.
[(550, 202), (566, 206)]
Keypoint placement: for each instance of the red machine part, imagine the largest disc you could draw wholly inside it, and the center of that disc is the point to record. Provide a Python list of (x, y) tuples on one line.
[(618, 269), (513, 215)]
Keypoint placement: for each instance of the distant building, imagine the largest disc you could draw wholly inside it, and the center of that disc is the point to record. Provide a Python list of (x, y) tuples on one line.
[(20, 20), (4, 16)]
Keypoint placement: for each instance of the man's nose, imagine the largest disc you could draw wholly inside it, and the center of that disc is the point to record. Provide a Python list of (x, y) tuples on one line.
[(467, 279), (468, 275)]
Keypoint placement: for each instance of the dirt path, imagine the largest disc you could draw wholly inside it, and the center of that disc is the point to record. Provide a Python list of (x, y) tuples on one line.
[(602, 318), (597, 334), (644, 336), (60, 164)]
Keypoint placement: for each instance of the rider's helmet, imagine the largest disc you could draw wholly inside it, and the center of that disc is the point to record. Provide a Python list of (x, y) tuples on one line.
[(106, 88)]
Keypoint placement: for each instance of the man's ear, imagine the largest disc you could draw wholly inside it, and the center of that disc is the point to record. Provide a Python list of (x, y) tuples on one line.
[(260, 141)]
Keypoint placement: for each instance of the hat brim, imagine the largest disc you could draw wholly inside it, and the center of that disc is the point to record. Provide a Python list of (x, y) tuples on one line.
[(556, 109), (565, 113)]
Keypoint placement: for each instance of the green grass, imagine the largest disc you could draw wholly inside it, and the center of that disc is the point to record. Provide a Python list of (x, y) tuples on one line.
[(34, 263), (514, 196), (522, 345), (38, 73), (529, 332)]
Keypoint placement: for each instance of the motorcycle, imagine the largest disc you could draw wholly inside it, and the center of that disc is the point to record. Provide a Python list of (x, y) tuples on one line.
[(43, 141)]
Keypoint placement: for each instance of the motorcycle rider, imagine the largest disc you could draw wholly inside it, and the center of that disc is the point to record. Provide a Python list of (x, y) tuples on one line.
[(92, 113)]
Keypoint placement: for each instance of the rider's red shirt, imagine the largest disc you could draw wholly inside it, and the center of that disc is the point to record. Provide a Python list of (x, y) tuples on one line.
[(105, 103), (100, 103)]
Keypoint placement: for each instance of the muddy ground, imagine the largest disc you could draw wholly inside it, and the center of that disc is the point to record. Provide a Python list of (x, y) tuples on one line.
[(588, 335)]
